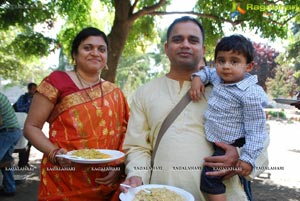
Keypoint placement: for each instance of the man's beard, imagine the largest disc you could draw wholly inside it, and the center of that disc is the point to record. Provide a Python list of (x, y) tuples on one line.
[(188, 65)]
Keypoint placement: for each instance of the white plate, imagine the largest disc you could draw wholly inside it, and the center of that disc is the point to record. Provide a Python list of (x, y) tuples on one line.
[(132, 192), (114, 153), (286, 101)]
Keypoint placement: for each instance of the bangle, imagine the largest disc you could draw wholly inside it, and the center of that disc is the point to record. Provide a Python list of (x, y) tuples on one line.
[(51, 156)]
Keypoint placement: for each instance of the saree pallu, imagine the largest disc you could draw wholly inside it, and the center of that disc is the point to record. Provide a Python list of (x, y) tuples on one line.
[(82, 118)]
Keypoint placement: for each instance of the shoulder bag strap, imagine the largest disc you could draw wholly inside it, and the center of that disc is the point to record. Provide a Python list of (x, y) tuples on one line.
[(169, 120)]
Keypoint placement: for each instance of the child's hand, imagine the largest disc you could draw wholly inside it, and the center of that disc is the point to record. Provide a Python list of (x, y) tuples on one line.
[(245, 167), (197, 89)]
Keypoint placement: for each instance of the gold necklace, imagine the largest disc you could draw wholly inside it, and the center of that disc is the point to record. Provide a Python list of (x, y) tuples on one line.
[(81, 83)]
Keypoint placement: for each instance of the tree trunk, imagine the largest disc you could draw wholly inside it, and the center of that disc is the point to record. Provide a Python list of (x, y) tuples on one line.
[(117, 37), (124, 19)]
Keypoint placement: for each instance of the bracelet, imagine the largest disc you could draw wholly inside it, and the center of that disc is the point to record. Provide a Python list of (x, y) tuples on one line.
[(51, 156)]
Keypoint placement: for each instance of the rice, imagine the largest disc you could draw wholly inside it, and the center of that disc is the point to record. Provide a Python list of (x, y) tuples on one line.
[(158, 194)]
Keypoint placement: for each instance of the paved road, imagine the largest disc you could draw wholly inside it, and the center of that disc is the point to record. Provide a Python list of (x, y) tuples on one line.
[(27, 182)]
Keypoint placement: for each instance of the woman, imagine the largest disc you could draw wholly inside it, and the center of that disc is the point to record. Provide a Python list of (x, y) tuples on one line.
[(83, 111)]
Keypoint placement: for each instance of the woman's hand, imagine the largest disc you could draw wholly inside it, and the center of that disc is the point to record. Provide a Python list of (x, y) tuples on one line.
[(225, 165), (133, 181), (63, 161)]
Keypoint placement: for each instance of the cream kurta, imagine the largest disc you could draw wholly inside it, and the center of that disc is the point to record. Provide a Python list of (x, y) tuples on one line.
[(179, 158)]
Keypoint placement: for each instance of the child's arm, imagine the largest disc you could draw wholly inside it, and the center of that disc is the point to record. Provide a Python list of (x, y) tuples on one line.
[(254, 119), (197, 88), (199, 79)]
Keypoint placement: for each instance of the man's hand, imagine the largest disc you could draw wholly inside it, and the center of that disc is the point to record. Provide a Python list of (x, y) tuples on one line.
[(226, 163), (133, 181), (243, 168), (111, 178)]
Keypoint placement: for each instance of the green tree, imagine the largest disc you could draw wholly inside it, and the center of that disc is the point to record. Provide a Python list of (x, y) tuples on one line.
[(133, 72), (293, 55), (136, 67), (132, 23), (283, 84), (15, 64), (287, 78), (21, 47)]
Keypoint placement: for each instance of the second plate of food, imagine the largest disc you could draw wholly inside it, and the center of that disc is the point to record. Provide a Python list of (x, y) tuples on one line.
[(92, 156), (156, 192)]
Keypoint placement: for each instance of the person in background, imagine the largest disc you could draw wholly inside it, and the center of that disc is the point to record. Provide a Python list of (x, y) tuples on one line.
[(24, 101), (9, 136), (22, 105), (183, 149), (297, 104), (83, 112), (235, 113)]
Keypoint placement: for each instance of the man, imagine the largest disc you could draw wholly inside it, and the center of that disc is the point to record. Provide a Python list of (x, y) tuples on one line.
[(24, 101), (22, 105), (297, 104), (9, 136), (183, 148)]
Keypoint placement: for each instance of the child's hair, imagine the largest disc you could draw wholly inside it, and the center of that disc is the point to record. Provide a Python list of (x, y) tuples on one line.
[(236, 43)]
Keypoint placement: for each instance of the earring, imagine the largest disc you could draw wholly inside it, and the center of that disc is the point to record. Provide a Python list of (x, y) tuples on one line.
[(106, 67)]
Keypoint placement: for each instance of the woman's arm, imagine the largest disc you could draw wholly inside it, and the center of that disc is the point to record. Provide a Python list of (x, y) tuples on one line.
[(39, 111)]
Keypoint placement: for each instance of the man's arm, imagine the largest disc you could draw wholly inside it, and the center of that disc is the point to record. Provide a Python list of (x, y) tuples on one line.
[(137, 145)]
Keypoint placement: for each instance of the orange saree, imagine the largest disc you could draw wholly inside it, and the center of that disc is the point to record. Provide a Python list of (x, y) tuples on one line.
[(88, 118)]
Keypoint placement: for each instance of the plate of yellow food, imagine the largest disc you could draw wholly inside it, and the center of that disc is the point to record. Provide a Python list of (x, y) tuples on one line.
[(92, 156), (156, 192)]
